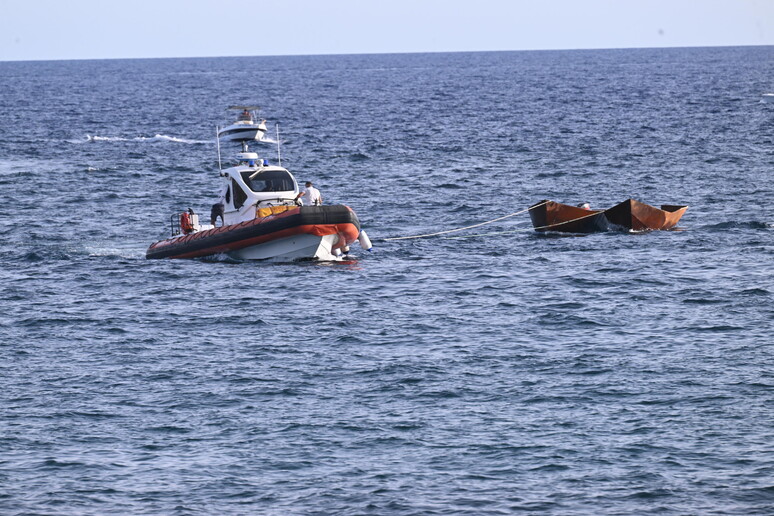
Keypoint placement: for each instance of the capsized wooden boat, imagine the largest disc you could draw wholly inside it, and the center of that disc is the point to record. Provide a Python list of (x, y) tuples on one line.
[(638, 216), (553, 216)]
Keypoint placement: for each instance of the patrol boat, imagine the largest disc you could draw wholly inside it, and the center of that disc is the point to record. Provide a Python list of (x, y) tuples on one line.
[(261, 218)]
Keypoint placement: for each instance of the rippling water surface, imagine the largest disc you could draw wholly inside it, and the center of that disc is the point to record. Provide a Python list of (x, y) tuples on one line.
[(502, 373)]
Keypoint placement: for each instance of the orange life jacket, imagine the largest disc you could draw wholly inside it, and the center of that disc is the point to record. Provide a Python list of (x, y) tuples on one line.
[(185, 223)]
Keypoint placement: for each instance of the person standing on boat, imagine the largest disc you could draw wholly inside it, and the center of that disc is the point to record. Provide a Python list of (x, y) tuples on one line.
[(311, 195), (218, 209)]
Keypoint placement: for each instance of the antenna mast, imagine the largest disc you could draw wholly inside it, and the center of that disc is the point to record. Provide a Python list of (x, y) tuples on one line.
[(217, 139), (279, 156)]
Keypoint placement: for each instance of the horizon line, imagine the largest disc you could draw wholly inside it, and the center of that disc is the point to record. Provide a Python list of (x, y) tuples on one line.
[(381, 53)]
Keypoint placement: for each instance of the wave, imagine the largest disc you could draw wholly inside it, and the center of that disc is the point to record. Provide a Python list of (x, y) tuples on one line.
[(55, 254), (70, 252), (751, 224), (156, 138), (220, 258)]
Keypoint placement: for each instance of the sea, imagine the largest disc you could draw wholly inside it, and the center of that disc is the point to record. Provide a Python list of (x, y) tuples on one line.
[(488, 371)]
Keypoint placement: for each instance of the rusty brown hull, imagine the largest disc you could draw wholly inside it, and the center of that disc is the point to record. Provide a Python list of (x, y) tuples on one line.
[(553, 216), (638, 216)]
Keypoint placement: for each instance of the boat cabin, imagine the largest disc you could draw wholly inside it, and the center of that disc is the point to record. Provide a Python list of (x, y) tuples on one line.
[(254, 184)]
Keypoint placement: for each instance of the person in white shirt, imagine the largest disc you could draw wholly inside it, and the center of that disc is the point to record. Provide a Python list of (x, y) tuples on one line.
[(311, 195)]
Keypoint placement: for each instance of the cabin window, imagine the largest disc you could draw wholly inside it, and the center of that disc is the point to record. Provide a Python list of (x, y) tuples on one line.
[(239, 195), (270, 181)]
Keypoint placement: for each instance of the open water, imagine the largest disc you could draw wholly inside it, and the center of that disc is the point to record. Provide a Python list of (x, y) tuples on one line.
[(505, 373)]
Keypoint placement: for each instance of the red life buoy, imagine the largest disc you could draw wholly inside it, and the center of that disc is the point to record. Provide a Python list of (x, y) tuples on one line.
[(185, 223)]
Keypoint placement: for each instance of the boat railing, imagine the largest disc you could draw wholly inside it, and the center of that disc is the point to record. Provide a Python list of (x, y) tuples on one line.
[(174, 224)]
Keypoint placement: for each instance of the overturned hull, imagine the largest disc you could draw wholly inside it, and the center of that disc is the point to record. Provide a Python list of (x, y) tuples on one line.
[(638, 216), (306, 232), (553, 216), (629, 215)]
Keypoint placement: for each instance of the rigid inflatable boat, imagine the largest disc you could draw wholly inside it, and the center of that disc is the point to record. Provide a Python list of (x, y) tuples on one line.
[(293, 233), (258, 216)]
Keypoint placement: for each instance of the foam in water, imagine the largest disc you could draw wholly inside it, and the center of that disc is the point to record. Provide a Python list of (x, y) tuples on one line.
[(8, 167), (96, 251), (156, 138)]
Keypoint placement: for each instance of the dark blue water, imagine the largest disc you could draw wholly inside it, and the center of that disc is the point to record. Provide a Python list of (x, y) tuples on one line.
[(508, 373)]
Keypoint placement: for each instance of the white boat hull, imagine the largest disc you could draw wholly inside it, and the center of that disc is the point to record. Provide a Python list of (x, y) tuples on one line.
[(241, 133), (298, 247)]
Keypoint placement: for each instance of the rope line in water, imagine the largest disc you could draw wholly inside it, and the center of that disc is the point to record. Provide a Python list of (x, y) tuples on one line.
[(466, 227)]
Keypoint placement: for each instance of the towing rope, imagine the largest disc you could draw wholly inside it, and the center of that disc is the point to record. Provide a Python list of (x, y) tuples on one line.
[(527, 229), (490, 222), (466, 227)]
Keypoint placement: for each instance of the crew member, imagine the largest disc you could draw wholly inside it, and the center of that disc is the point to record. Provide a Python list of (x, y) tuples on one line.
[(187, 222), (215, 212), (311, 195), (218, 209)]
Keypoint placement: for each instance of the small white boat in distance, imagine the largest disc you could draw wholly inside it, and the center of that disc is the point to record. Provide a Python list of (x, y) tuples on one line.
[(768, 98), (246, 128)]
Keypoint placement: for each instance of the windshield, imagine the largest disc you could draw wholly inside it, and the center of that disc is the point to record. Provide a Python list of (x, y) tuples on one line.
[(269, 181)]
